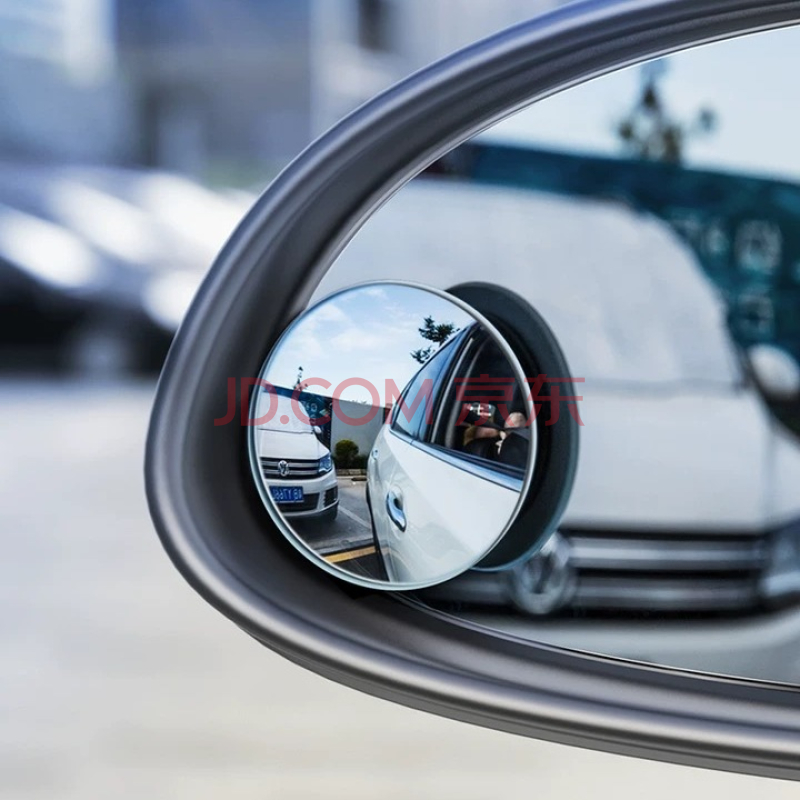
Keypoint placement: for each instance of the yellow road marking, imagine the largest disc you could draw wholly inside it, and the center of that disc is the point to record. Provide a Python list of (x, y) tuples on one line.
[(348, 555)]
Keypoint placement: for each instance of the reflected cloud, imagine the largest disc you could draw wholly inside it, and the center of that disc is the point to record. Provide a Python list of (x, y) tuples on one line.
[(382, 332)]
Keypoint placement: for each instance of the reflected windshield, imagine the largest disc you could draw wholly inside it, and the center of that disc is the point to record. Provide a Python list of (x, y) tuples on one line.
[(276, 412), (625, 297)]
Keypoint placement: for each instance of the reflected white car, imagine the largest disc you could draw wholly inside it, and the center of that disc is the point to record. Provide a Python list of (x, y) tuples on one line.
[(296, 467), (433, 490), (685, 497)]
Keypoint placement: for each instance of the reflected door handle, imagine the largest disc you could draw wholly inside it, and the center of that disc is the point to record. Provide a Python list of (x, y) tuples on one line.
[(394, 508)]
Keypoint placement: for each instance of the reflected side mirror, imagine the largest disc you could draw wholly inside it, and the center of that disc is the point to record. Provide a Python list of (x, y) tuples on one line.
[(775, 371)]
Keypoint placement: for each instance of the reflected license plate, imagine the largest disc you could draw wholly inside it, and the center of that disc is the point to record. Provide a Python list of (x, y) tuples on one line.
[(287, 494)]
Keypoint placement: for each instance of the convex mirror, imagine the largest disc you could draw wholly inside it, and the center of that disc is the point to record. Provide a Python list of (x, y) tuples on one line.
[(391, 435)]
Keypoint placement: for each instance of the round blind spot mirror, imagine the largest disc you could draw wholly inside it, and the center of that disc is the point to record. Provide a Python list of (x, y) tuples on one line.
[(391, 436)]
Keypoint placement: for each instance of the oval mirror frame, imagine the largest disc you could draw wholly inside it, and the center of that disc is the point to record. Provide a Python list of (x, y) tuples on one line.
[(210, 518)]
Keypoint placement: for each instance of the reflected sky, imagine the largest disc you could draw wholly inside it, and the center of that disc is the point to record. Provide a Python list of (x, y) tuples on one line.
[(750, 83), (367, 332)]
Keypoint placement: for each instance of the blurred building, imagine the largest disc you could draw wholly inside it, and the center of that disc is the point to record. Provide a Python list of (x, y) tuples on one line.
[(213, 88), (363, 46), (217, 82), (60, 97), (256, 80)]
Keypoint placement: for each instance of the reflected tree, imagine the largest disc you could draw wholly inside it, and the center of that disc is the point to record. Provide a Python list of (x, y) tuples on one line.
[(435, 332), (650, 132)]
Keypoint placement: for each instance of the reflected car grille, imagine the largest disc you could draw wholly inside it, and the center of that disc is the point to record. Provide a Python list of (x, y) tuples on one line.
[(621, 571), (286, 469), (666, 573), (629, 552)]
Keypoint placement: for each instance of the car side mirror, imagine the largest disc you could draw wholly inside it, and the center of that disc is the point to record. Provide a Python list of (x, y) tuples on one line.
[(211, 515)]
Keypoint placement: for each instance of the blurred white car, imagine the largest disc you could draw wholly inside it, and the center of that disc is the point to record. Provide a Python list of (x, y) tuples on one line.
[(686, 495), (296, 467), (98, 265)]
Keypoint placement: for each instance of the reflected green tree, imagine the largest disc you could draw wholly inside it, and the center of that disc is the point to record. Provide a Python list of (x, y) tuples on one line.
[(435, 332), (649, 131)]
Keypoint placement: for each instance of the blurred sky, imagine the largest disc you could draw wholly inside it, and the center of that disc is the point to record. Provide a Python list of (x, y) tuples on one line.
[(748, 82)]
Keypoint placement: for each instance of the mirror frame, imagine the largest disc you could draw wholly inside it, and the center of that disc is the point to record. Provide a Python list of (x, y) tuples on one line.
[(211, 519)]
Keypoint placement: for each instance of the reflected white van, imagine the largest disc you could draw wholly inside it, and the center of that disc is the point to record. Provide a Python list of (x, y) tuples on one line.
[(686, 494), (297, 468)]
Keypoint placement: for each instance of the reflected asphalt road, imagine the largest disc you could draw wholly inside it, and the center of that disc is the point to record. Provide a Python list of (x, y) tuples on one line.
[(351, 527), (347, 542), (117, 681)]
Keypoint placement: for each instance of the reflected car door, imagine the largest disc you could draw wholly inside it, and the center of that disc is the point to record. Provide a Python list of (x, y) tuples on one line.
[(439, 501), (390, 455)]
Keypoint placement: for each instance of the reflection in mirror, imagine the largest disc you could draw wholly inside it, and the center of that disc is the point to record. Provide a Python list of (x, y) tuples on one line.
[(652, 217), (390, 437)]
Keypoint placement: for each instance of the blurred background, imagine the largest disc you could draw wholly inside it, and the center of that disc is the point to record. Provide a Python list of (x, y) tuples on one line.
[(134, 134)]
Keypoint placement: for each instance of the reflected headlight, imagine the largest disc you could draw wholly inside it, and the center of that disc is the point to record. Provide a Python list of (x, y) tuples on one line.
[(325, 464), (782, 574)]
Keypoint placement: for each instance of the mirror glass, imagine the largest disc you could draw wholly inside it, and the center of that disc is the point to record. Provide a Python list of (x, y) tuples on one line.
[(390, 436), (652, 217)]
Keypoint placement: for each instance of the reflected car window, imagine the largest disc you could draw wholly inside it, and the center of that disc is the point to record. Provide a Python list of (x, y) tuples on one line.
[(412, 409), (481, 414)]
